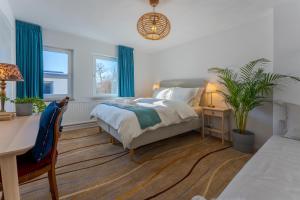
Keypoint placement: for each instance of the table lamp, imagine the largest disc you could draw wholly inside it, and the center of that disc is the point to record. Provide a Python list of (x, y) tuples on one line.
[(210, 89), (155, 86), (8, 72)]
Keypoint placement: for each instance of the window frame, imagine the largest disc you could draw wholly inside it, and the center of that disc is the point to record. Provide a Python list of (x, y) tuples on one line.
[(104, 57), (70, 53)]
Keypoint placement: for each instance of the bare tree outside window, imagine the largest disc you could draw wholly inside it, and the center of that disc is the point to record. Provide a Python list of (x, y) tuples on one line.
[(106, 76)]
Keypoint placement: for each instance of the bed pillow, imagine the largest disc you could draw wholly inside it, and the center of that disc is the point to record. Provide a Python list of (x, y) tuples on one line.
[(293, 133), (162, 93), (197, 99), (186, 95)]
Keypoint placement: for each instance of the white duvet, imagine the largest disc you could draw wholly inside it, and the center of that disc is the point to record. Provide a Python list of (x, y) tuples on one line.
[(126, 122)]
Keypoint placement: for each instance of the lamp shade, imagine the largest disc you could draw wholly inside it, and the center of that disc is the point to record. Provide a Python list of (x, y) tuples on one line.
[(211, 88), (154, 25), (10, 72), (155, 86)]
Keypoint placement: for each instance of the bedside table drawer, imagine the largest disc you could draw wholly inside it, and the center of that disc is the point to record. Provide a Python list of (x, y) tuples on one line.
[(213, 113)]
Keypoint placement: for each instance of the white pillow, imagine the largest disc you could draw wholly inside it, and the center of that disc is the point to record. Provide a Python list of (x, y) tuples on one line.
[(293, 133), (186, 95), (191, 96), (162, 93), (197, 98)]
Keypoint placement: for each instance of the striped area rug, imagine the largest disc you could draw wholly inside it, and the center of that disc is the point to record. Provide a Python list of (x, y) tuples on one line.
[(89, 167)]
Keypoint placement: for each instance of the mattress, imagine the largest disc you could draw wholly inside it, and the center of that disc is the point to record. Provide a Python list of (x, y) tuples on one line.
[(129, 124), (272, 173)]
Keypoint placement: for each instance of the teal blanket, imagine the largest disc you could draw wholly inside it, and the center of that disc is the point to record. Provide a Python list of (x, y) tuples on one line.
[(147, 117)]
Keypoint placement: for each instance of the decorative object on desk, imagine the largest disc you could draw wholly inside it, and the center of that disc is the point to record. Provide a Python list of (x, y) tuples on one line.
[(26, 106), (245, 90), (154, 25), (8, 72), (6, 116), (210, 89)]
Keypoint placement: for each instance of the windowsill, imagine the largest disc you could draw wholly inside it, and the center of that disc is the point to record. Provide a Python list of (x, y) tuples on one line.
[(57, 99), (93, 98)]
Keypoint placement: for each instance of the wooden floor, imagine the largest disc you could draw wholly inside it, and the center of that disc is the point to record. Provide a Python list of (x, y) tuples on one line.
[(89, 167)]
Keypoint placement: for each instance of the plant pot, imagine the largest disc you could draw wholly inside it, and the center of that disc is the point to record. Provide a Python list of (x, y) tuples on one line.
[(243, 142), (24, 109)]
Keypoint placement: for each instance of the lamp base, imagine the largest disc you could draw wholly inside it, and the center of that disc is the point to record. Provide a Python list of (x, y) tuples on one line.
[(2, 95), (211, 106)]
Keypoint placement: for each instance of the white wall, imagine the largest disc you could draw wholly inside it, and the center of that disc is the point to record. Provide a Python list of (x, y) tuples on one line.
[(84, 49), (7, 11), (234, 47), (7, 43), (287, 59)]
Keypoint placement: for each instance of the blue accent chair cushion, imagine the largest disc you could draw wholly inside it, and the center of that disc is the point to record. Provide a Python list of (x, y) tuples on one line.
[(45, 137)]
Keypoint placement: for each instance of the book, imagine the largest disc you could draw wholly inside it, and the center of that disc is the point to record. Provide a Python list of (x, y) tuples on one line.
[(5, 116)]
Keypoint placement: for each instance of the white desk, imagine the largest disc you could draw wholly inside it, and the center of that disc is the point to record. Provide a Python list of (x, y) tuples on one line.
[(16, 138)]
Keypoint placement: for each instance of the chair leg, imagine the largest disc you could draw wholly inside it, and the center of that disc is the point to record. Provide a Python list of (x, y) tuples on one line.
[(2, 198), (53, 184)]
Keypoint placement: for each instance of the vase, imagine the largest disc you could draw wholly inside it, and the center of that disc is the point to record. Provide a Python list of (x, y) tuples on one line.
[(243, 142), (24, 109)]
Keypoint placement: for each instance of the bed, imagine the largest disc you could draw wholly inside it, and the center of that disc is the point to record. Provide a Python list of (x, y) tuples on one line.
[(193, 121), (272, 173)]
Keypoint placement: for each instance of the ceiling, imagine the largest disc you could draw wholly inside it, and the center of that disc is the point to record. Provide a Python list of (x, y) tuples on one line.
[(114, 21)]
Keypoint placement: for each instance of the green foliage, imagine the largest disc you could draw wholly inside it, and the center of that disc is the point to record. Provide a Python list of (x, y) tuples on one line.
[(4, 97), (38, 104), (247, 89)]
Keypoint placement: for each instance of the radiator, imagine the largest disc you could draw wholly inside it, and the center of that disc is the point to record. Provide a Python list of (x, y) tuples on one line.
[(79, 112)]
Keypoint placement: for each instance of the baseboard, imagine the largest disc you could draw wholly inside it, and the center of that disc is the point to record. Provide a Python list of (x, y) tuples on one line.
[(79, 125)]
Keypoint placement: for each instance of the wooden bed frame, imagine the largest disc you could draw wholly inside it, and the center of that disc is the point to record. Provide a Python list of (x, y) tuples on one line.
[(163, 132)]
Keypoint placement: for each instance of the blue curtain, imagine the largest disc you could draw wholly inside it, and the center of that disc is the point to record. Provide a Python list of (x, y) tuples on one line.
[(126, 71), (29, 58)]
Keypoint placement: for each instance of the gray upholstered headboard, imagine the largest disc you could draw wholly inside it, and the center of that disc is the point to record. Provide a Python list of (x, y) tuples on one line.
[(185, 83)]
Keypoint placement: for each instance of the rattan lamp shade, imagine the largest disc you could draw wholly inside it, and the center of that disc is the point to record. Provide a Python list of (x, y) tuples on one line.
[(154, 26)]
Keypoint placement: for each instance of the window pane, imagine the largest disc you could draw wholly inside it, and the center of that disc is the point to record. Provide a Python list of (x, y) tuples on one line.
[(48, 87), (56, 62), (56, 72), (56, 86), (106, 76)]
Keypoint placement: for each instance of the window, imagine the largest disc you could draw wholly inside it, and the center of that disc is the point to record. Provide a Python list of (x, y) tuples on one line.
[(48, 87), (57, 73), (105, 76)]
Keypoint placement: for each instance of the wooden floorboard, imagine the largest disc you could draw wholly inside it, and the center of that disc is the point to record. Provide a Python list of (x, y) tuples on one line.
[(89, 167)]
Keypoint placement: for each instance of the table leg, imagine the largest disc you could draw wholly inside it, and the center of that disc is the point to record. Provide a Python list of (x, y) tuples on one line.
[(9, 173), (203, 125), (223, 129)]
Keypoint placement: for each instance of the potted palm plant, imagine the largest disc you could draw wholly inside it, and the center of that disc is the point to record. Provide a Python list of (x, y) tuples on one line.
[(245, 90)]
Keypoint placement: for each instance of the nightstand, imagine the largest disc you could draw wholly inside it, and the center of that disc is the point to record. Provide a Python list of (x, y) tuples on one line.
[(212, 114)]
